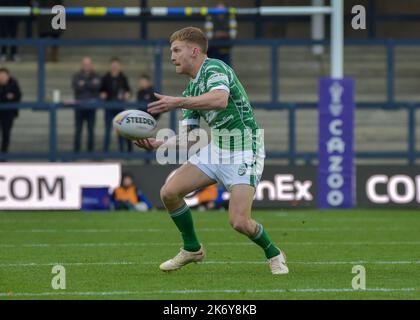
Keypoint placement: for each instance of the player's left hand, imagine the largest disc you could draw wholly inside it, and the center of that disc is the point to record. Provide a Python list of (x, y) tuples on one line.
[(163, 104)]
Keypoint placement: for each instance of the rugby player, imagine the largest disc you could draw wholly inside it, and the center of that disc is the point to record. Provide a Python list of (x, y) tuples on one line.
[(215, 94)]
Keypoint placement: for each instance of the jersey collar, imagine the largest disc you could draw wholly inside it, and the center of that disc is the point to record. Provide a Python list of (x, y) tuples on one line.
[(199, 71)]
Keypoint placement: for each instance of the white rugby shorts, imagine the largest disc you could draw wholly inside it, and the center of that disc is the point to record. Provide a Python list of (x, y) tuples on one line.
[(230, 167)]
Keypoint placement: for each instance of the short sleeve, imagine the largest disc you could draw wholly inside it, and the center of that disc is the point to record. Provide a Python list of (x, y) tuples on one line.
[(189, 116), (217, 78)]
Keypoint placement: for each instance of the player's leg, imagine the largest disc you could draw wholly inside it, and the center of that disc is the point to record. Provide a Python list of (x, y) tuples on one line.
[(240, 207), (4, 27), (185, 180), (2, 129), (91, 115), (7, 124)]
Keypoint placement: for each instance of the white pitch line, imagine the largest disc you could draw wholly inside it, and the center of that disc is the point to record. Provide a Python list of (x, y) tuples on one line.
[(117, 263), (285, 229), (81, 230), (36, 264), (165, 244), (325, 243), (318, 262), (355, 262), (309, 218), (197, 291)]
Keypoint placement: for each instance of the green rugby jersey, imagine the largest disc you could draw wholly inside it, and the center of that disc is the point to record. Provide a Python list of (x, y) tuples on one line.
[(233, 127)]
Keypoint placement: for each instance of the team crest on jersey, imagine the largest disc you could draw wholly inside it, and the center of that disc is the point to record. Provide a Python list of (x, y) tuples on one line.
[(242, 169)]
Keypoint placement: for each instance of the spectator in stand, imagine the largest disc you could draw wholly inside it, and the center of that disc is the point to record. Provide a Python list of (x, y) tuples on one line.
[(128, 197), (44, 27), (9, 93), (9, 29), (145, 94), (86, 84), (221, 27), (114, 87)]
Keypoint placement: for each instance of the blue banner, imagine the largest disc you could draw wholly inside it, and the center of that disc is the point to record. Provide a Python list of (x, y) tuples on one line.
[(95, 199), (336, 173)]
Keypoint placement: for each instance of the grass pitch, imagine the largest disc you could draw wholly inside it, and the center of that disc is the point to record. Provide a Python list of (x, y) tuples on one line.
[(116, 256)]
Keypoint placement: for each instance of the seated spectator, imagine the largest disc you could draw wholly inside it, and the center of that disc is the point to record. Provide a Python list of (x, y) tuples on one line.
[(114, 87), (86, 84), (127, 197), (9, 93)]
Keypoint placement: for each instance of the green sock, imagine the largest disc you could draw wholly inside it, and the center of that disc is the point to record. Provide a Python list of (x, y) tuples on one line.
[(263, 240), (183, 220)]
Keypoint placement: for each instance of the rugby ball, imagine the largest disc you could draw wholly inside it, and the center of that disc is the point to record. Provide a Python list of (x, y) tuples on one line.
[(134, 124)]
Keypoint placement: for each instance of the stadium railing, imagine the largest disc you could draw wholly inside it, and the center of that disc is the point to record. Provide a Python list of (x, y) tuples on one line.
[(411, 154)]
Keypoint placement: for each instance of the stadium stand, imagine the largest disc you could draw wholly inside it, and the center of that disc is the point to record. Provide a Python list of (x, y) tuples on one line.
[(298, 69)]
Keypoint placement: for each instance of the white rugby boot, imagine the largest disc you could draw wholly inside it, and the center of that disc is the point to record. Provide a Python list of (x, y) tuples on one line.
[(278, 264), (183, 258)]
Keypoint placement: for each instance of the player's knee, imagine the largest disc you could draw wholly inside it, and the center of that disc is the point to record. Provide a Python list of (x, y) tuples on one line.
[(168, 194), (240, 224)]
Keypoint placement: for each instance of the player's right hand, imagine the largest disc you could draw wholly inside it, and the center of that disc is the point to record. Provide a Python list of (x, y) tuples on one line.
[(148, 143)]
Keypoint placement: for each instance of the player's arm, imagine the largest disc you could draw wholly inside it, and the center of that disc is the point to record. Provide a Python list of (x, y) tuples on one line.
[(187, 134), (215, 99), (190, 123)]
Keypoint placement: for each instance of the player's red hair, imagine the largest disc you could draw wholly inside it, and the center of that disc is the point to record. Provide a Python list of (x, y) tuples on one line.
[(192, 35)]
